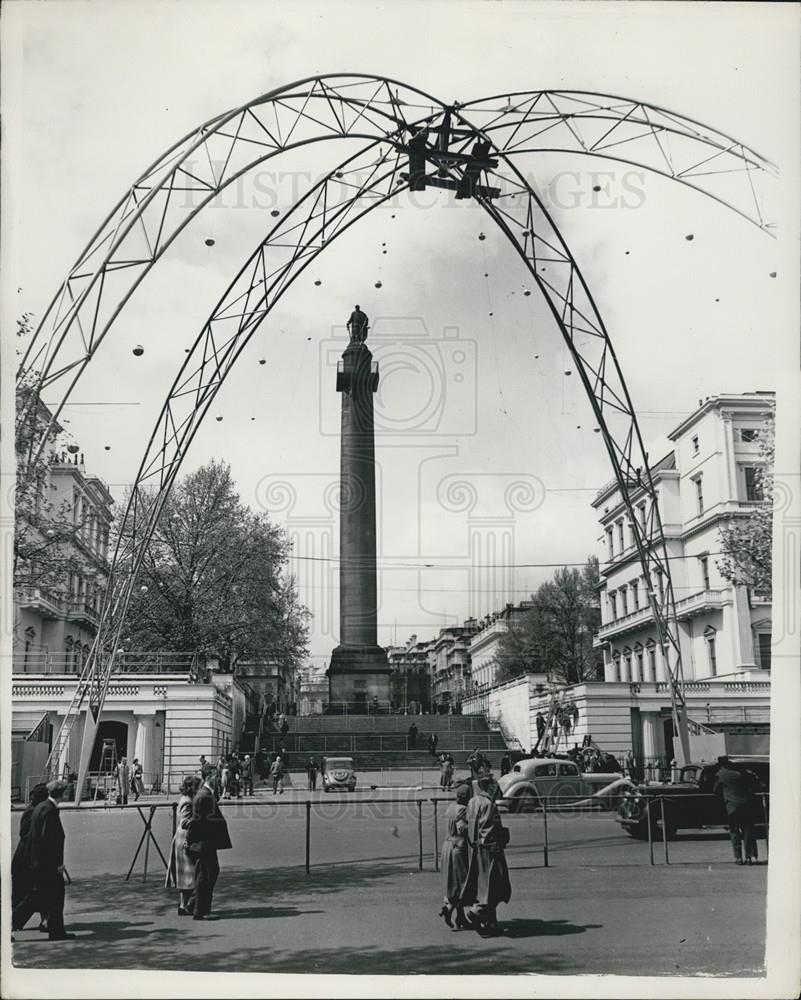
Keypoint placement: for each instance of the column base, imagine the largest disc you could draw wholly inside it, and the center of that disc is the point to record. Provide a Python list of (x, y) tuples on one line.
[(358, 681)]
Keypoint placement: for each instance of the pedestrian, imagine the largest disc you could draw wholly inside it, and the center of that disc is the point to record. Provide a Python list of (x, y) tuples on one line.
[(487, 882), (22, 868), (123, 780), (137, 785), (311, 773), (445, 771), (181, 869), (235, 776), (434, 740), (737, 789), (454, 859), (284, 728), (506, 763), (412, 736), (477, 763), (47, 857), (247, 775), (225, 779), (201, 765), (629, 764), (276, 771), (258, 764), (206, 835)]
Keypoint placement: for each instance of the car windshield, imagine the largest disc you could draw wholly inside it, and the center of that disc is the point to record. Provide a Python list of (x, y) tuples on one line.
[(689, 774), (339, 762)]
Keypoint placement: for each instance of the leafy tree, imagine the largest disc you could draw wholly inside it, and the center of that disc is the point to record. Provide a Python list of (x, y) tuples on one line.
[(555, 634), (213, 578), (746, 541), (45, 531)]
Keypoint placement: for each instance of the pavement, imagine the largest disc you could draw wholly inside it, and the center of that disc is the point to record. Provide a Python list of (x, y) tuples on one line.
[(366, 907)]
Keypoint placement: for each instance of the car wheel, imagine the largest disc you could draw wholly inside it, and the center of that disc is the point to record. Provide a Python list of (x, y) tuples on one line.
[(525, 801), (637, 830)]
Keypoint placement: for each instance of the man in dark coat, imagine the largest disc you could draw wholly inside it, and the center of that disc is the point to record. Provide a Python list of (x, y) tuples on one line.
[(47, 857), (737, 788), (22, 870), (207, 867)]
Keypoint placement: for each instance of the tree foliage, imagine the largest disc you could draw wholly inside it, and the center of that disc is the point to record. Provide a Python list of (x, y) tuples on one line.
[(746, 541), (213, 578), (45, 531), (555, 634)]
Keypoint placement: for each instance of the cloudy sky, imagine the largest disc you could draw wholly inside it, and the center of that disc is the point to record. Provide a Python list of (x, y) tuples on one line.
[(93, 92)]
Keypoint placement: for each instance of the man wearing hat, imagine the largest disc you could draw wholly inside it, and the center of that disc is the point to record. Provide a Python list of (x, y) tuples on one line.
[(736, 787), (47, 856)]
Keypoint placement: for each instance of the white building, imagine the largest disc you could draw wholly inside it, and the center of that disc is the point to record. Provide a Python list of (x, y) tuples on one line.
[(485, 644), (724, 631)]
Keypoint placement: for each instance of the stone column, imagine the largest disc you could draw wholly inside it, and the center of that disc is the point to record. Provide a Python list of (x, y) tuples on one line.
[(143, 743), (359, 670), (744, 642)]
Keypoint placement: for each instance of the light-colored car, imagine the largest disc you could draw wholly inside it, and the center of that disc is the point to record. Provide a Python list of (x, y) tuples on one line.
[(339, 774), (554, 781)]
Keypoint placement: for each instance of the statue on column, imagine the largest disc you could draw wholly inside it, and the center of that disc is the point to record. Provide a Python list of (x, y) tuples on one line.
[(357, 326)]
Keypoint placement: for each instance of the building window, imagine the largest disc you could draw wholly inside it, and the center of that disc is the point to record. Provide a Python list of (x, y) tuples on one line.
[(710, 635), (616, 666), (696, 447), (620, 537), (642, 510), (639, 674), (703, 563), (699, 494), (752, 486), (632, 535), (624, 603), (635, 594), (763, 650), (651, 660), (748, 434), (613, 605), (660, 584), (610, 542), (627, 665)]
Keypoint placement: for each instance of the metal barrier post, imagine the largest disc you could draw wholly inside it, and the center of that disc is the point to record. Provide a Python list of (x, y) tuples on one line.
[(420, 834), (664, 830), (308, 833), (650, 834), (147, 849), (767, 825), (545, 833), (436, 838)]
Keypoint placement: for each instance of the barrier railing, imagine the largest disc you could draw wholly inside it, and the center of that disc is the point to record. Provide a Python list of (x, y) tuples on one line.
[(412, 808)]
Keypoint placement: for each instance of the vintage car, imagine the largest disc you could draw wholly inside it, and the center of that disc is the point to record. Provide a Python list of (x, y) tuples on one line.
[(338, 774), (555, 781), (689, 803)]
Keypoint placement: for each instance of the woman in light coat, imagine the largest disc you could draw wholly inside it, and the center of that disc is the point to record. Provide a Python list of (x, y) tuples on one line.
[(487, 882), (181, 869), (453, 860)]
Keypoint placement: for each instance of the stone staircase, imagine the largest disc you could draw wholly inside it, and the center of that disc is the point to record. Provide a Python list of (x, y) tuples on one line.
[(376, 741)]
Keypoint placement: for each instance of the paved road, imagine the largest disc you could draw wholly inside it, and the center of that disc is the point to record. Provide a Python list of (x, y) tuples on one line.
[(366, 908)]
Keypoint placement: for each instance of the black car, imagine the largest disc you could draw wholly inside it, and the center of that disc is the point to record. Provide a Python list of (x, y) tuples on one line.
[(689, 803)]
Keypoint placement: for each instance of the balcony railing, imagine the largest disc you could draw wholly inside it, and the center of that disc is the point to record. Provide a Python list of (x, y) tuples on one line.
[(65, 663), (706, 600), (46, 603)]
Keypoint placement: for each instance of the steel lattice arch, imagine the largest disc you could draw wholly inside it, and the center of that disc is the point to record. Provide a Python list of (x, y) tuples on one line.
[(395, 138)]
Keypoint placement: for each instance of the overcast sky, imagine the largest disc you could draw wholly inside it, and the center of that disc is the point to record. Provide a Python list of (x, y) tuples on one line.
[(93, 92)]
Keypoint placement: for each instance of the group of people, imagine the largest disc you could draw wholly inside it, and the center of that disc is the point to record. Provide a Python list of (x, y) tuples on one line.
[(129, 778), (201, 832), (473, 860), (37, 868)]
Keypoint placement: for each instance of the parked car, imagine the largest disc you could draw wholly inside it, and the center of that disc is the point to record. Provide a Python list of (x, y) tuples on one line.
[(689, 803), (551, 779), (338, 774)]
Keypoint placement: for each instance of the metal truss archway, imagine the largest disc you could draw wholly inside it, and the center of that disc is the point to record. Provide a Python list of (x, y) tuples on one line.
[(473, 149)]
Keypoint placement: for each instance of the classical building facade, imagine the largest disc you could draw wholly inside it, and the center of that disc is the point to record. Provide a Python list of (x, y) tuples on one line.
[(485, 644), (411, 674), (724, 630), (451, 679)]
